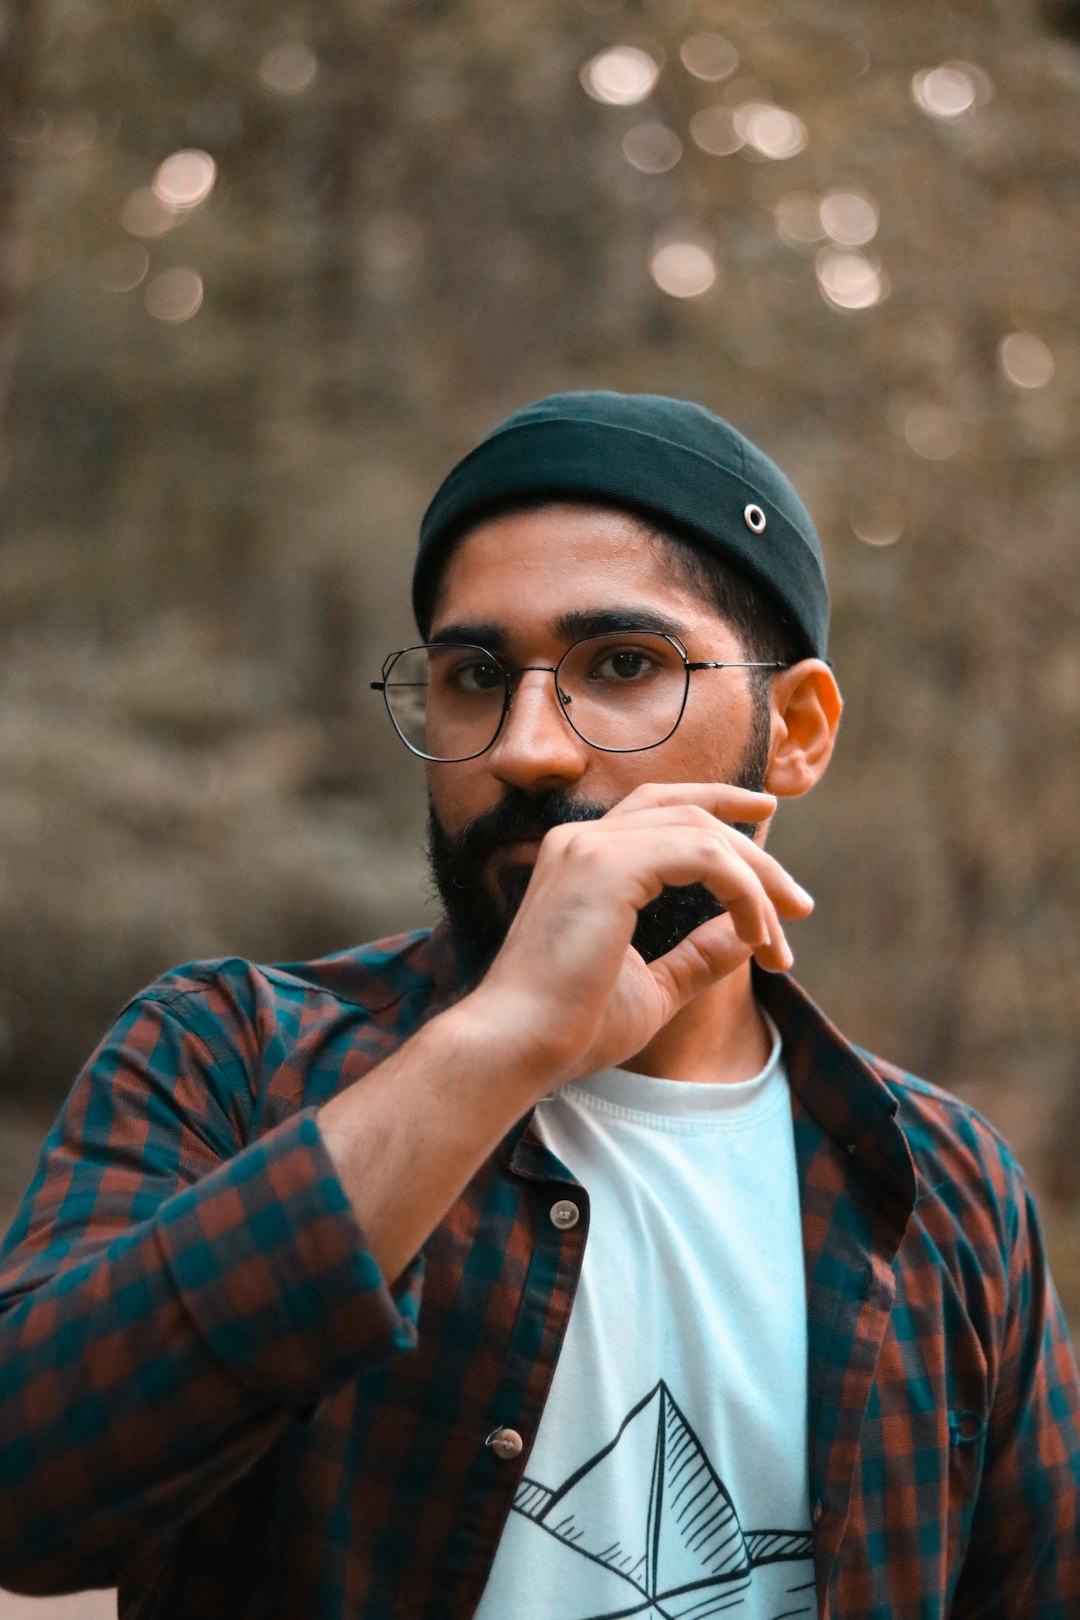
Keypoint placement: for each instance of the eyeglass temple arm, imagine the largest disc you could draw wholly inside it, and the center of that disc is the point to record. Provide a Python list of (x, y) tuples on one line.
[(735, 664)]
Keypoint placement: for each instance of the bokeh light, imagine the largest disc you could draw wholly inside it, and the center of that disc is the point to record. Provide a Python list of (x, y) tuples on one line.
[(709, 56), (621, 76), (33, 126), (798, 219), (174, 295), (770, 131), (849, 217), (683, 267), (1043, 425), (289, 68), (144, 214), (880, 522), (932, 432), (949, 91), (653, 147), (1026, 360), (713, 129), (850, 281), (184, 180), (76, 133), (121, 268)]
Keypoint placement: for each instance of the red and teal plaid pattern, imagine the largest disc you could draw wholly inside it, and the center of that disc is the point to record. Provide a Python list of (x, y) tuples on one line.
[(210, 1396)]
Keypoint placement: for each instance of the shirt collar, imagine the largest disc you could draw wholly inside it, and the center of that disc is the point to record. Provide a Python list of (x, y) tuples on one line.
[(838, 1086)]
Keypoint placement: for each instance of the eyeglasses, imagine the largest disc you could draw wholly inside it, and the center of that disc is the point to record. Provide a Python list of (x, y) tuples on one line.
[(622, 692)]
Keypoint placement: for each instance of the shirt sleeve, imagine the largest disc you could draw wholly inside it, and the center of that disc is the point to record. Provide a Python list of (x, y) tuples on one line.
[(1023, 1557), (171, 1298)]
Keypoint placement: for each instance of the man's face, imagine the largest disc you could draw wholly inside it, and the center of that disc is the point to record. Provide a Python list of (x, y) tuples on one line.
[(511, 586)]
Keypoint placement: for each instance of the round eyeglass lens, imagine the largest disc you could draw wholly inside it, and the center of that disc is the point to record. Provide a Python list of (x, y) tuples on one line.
[(446, 701), (625, 691)]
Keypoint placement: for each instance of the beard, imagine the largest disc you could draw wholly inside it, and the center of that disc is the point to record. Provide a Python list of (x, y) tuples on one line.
[(480, 908)]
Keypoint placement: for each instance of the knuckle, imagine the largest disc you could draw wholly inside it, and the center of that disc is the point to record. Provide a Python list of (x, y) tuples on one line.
[(716, 850), (590, 854), (557, 838)]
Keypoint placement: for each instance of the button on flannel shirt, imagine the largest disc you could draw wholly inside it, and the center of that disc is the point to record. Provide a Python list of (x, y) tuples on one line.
[(211, 1397)]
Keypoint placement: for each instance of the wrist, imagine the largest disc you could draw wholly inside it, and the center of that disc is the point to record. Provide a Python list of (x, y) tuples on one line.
[(502, 1039)]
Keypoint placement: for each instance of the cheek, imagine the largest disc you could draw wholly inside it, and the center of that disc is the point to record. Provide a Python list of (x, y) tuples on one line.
[(458, 793), (715, 729), (695, 749)]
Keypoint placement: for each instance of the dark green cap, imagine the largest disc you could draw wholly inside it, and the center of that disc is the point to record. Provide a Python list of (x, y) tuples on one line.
[(666, 457)]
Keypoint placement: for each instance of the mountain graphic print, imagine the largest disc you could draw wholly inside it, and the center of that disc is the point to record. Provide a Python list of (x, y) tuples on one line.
[(682, 1554)]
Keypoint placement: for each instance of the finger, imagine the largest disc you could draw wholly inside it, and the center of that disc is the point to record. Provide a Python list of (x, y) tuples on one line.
[(699, 961), (701, 854), (789, 897), (631, 861), (721, 799), (747, 895)]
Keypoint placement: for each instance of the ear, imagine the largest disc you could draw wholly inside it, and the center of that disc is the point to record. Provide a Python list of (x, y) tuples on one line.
[(805, 714)]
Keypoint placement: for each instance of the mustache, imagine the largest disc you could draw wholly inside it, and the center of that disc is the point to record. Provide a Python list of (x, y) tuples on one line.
[(519, 816)]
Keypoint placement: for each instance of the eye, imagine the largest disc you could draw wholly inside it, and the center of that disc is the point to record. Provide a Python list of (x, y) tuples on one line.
[(623, 664), (477, 675)]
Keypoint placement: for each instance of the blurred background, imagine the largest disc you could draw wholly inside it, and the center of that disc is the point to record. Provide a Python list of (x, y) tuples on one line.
[(267, 271)]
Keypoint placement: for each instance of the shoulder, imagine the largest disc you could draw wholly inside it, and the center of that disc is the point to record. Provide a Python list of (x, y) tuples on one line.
[(967, 1175), (233, 1006)]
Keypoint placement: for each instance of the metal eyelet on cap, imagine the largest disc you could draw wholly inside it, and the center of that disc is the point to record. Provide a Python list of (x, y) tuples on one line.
[(754, 518)]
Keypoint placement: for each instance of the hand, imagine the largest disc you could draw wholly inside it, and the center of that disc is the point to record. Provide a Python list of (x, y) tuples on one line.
[(567, 994)]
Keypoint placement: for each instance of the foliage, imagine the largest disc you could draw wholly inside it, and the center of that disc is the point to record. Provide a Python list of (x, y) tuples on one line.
[(209, 523)]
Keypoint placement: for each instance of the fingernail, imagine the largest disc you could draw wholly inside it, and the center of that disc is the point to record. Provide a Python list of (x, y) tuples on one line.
[(804, 894)]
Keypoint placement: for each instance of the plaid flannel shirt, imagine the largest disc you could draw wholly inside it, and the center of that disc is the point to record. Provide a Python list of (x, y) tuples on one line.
[(210, 1396)]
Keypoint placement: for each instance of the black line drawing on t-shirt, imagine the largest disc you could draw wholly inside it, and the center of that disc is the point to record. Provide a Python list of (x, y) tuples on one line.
[(684, 1556)]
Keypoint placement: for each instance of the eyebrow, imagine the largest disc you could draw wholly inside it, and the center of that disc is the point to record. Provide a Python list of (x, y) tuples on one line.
[(491, 636), (571, 626), (600, 621)]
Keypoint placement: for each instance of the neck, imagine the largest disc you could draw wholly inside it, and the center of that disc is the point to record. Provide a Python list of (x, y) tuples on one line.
[(719, 1037)]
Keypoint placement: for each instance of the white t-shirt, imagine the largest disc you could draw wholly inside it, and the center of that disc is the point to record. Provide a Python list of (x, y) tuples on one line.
[(669, 1473)]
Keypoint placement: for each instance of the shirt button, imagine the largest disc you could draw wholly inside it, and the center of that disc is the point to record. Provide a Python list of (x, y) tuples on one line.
[(505, 1443), (819, 1511), (565, 1214)]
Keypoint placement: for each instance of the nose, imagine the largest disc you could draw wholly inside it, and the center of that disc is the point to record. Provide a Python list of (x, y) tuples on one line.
[(537, 747)]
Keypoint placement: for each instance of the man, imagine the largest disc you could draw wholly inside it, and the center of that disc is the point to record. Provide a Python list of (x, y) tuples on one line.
[(563, 1263)]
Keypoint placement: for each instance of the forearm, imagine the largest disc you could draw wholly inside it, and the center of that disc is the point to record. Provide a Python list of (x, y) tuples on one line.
[(243, 1300), (409, 1138)]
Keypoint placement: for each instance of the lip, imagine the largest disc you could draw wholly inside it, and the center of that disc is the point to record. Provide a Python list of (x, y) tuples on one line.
[(519, 849)]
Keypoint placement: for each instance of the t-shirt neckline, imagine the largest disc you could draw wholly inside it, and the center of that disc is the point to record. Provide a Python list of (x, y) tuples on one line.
[(629, 1095)]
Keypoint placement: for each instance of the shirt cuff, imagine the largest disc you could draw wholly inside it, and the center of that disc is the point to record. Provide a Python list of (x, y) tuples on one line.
[(274, 1270)]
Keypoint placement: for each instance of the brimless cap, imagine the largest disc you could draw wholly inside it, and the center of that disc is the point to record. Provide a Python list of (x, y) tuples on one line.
[(666, 457)]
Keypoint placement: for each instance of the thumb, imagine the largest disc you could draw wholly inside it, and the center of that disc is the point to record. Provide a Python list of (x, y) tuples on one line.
[(710, 953)]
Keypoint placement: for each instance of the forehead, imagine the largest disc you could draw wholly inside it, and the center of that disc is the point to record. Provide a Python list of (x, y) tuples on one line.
[(534, 568)]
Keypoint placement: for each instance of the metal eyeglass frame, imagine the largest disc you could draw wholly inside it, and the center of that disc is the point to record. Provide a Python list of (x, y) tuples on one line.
[(509, 673)]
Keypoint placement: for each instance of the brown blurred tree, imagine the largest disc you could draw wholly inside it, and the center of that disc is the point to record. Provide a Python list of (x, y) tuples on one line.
[(420, 219), (20, 38)]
